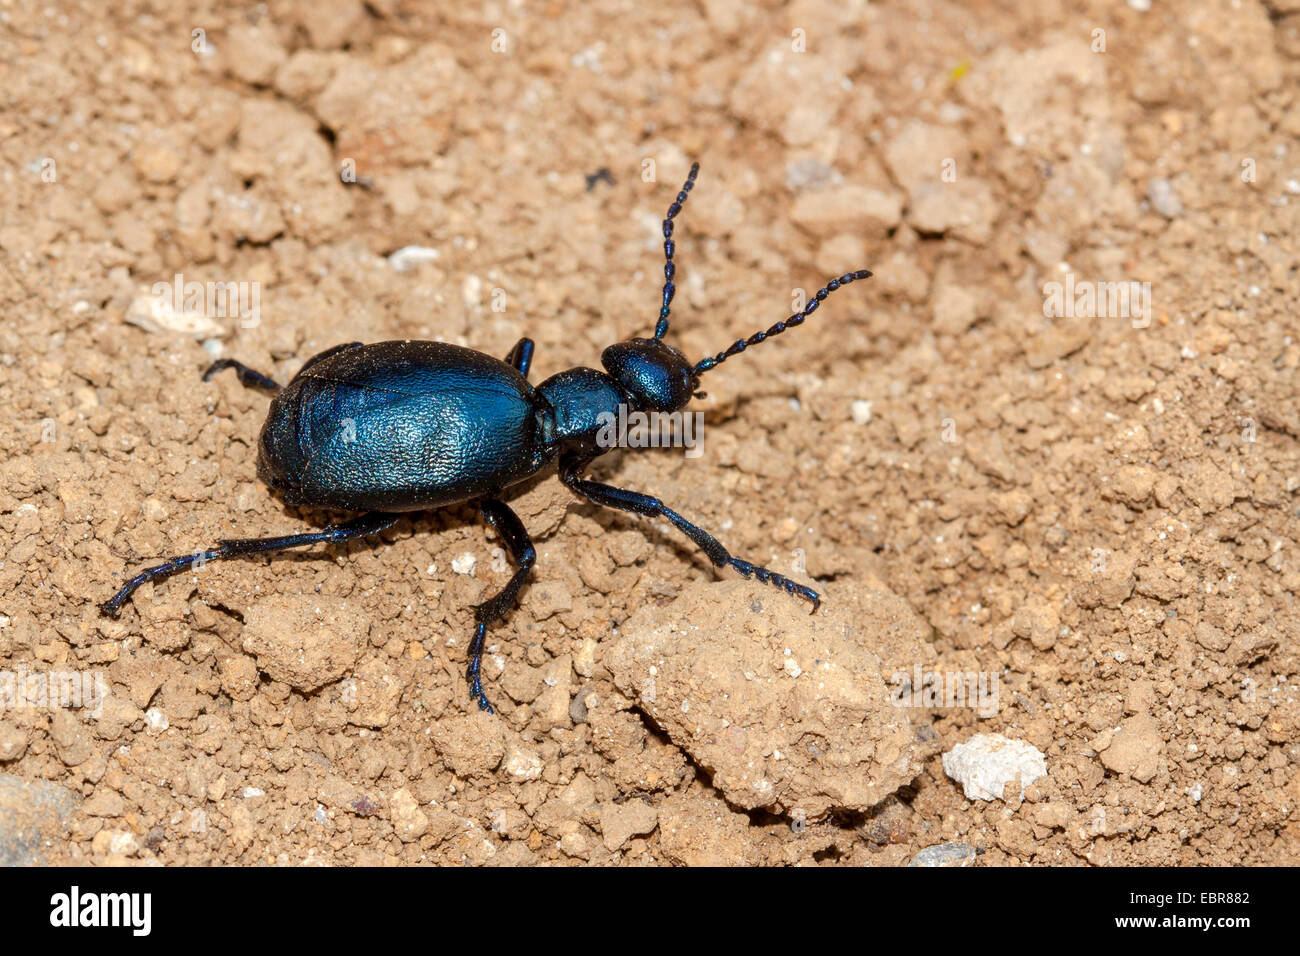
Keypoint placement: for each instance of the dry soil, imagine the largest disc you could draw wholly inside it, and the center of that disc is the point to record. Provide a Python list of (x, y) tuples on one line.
[(1098, 508)]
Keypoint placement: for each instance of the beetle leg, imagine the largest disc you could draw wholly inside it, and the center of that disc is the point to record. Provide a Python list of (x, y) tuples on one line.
[(515, 536), (367, 524), (637, 503), (250, 378), (521, 356)]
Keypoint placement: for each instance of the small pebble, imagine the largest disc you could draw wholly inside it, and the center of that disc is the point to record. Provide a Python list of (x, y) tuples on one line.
[(33, 813), (1163, 198), (986, 763), (411, 257), (944, 854), (157, 313)]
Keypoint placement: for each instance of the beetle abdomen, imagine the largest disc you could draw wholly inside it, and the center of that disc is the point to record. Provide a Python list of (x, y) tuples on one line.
[(402, 426)]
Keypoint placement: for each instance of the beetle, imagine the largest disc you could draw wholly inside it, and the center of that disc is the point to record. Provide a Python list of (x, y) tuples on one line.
[(404, 426)]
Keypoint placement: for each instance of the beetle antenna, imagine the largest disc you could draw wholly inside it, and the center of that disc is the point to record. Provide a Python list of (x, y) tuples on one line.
[(797, 319), (669, 246)]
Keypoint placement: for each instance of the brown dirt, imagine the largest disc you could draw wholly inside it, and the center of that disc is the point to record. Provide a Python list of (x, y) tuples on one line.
[(1103, 512)]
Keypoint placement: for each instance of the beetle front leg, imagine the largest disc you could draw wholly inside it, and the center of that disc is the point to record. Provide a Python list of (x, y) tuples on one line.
[(515, 536), (637, 503)]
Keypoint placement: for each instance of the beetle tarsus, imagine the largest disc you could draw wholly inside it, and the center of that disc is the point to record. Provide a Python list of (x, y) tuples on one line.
[(651, 507), (472, 672), (113, 606), (248, 377), (367, 524), (793, 588)]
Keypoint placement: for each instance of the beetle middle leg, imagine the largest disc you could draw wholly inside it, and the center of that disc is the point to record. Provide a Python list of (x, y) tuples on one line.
[(252, 378), (637, 503), (515, 536), (521, 356), (367, 524)]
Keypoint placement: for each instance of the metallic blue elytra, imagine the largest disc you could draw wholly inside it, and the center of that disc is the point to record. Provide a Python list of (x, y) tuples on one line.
[(405, 426)]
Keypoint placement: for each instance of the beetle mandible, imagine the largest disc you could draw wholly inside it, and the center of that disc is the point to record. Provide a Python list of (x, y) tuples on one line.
[(404, 426)]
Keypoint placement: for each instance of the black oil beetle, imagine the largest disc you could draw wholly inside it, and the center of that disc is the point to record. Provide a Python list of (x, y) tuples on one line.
[(408, 426)]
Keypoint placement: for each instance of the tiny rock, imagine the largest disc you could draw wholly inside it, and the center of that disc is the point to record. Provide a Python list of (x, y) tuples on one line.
[(1135, 749), (32, 814), (408, 258), (157, 313), (986, 763), (785, 709), (409, 821), (945, 854), (620, 822), (298, 641)]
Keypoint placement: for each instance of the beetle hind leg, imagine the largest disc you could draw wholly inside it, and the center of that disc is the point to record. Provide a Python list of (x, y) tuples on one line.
[(515, 536), (248, 377), (367, 524)]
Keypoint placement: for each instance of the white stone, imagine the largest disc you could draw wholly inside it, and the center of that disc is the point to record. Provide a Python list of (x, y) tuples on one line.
[(157, 313), (523, 764), (986, 763), (411, 257), (1163, 199)]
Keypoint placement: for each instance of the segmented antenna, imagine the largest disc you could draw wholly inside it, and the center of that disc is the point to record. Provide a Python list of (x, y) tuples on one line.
[(797, 319), (669, 247)]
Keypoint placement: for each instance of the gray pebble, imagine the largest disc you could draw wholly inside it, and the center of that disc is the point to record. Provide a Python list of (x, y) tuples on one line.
[(578, 706), (1163, 198), (31, 813), (944, 854), (809, 174)]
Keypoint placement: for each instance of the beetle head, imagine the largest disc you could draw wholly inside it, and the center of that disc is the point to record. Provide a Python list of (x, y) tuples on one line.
[(655, 374)]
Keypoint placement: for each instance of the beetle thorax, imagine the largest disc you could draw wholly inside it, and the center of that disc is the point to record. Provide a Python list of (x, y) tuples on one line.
[(583, 401)]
